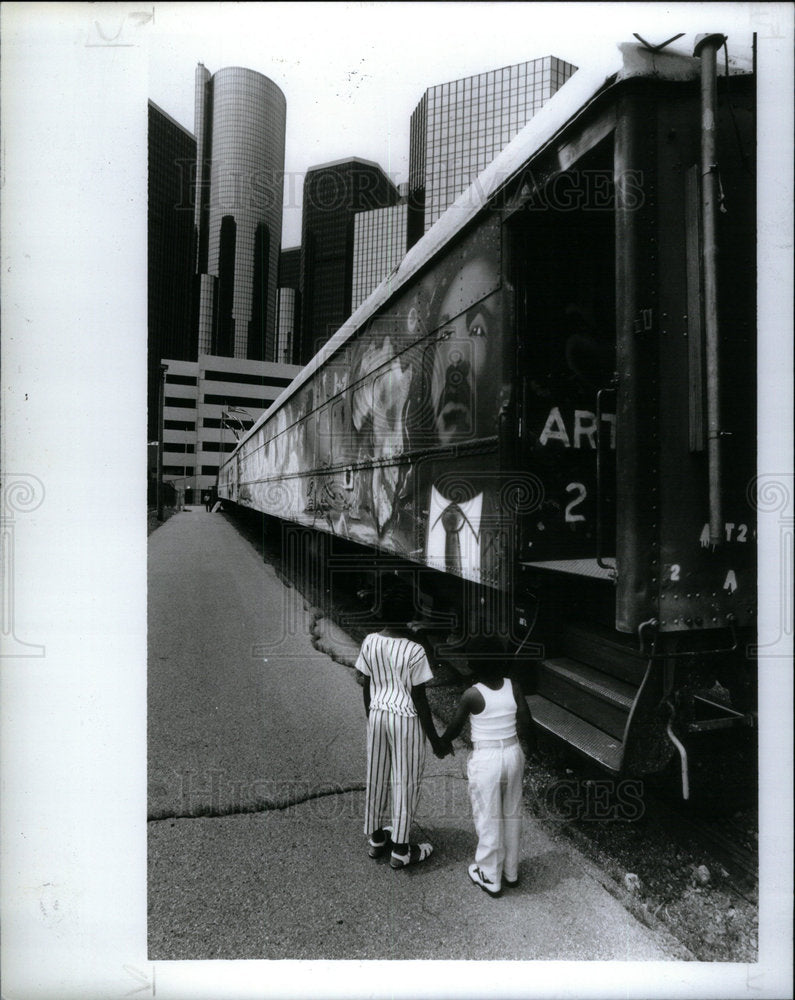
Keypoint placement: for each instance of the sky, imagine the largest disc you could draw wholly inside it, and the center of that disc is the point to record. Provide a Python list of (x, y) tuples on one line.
[(352, 73)]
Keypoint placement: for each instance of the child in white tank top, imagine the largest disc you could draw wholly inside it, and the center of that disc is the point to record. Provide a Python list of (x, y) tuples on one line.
[(498, 715)]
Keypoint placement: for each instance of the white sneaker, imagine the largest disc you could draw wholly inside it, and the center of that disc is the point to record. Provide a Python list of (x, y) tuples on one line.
[(485, 884)]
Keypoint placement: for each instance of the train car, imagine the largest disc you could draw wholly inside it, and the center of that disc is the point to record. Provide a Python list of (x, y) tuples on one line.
[(548, 411)]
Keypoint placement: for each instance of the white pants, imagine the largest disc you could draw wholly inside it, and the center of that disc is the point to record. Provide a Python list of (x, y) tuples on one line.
[(495, 791)]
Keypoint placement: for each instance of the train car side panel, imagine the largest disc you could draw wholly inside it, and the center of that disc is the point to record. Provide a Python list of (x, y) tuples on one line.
[(394, 442)]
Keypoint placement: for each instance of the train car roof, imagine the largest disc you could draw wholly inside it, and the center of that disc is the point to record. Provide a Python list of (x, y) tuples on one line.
[(627, 61)]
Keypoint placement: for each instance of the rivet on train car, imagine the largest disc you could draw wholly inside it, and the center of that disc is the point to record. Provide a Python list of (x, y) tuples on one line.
[(688, 621)]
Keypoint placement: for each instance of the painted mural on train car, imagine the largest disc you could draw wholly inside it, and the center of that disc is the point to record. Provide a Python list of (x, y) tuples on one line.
[(399, 427)]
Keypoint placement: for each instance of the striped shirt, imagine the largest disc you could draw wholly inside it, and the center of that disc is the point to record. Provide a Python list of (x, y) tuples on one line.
[(394, 666)]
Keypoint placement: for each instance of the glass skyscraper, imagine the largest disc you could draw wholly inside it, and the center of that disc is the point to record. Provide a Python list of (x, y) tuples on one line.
[(459, 127), (171, 155), (289, 317), (333, 194), (240, 125), (379, 245)]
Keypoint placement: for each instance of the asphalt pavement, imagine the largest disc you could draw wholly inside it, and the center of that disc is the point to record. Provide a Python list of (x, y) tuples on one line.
[(256, 777)]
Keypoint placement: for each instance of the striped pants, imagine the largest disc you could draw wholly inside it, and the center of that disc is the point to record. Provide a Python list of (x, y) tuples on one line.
[(396, 757)]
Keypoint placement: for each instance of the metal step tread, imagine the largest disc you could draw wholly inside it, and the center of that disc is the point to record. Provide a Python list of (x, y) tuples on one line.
[(625, 644), (593, 742), (606, 651), (593, 681)]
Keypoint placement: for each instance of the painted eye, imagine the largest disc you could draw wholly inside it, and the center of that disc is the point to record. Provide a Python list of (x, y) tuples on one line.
[(477, 329)]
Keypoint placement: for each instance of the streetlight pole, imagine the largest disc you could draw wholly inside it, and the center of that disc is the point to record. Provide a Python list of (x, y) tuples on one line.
[(160, 407)]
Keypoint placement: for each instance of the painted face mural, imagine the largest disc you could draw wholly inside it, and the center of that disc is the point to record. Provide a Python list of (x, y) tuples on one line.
[(465, 373), (459, 360), (459, 378)]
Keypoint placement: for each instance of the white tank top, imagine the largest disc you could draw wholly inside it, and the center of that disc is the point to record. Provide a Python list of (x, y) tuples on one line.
[(497, 721)]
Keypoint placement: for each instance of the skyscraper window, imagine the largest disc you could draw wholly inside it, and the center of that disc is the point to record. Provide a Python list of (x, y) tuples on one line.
[(459, 127)]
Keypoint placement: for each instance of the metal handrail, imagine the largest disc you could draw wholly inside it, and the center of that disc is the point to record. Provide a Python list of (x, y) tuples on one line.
[(599, 500)]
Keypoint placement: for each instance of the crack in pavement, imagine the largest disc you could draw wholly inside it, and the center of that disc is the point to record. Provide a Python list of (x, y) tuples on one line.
[(258, 806), (273, 803)]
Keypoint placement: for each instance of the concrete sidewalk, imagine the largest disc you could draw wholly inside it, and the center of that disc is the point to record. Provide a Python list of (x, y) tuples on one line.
[(257, 761)]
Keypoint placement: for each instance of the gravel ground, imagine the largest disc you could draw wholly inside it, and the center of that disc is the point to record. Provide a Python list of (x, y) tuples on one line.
[(655, 856)]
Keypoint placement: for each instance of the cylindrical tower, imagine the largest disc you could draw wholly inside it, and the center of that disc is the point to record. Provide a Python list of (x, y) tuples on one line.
[(240, 127)]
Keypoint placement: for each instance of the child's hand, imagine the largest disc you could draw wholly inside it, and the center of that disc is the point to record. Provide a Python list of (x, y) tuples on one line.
[(442, 748)]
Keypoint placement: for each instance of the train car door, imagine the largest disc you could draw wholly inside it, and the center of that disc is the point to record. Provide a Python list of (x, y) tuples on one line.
[(563, 272)]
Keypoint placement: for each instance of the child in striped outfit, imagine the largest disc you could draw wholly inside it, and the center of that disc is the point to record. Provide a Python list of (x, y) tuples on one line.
[(498, 715), (395, 670)]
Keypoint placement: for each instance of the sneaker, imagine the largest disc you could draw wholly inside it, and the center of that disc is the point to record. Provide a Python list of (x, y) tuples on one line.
[(485, 884), (377, 848), (416, 853), (510, 883)]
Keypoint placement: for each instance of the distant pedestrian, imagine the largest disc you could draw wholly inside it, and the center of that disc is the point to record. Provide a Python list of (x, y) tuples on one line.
[(395, 670), (208, 501), (498, 715)]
